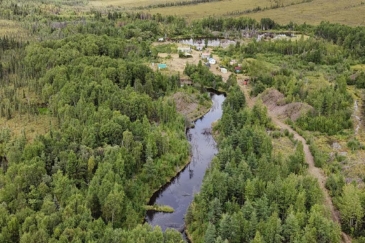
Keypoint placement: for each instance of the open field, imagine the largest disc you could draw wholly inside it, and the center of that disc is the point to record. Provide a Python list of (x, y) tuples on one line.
[(12, 29), (31, 126), (191, 11), (345, 12), (214, 8), (126, 3)]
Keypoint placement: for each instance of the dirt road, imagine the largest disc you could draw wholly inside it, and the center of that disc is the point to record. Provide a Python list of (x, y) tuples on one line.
[(314, 171)]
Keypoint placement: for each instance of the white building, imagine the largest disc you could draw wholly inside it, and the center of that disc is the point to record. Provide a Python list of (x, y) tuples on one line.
[(212, 61), (184, 49)]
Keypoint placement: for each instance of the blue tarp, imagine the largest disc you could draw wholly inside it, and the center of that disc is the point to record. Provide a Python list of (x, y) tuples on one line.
[(162, 66)]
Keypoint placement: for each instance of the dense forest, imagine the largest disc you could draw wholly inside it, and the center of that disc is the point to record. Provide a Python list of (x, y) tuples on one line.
[(314, 71), (114, 138), (113, 135), (249, 195)]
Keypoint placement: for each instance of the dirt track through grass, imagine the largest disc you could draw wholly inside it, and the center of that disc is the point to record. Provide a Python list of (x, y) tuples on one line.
[(314, 171)]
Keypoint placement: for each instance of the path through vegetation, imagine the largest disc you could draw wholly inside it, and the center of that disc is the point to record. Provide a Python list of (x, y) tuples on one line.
[(314, 171), (178, 64)]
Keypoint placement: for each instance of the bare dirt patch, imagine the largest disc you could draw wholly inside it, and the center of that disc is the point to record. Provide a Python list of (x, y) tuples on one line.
[(275, 102), (185, 103)]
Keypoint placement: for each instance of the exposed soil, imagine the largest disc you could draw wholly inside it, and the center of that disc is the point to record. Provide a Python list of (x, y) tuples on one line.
[(275, 102), (185, 103)]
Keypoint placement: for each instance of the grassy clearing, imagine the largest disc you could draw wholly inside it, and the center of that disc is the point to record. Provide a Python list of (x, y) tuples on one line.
[(212, 9), (316, 82), (190, 11), (125, 3), (159, 208), (13, 29), (342, 157), (344, 12), (31, 126), (283, 147), (358, 67)]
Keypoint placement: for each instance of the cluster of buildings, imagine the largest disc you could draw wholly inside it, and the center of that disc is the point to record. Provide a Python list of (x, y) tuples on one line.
[(186, 51)]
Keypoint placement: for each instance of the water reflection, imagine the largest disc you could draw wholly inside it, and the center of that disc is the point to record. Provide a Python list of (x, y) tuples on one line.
[(180, 192), (200, 43)]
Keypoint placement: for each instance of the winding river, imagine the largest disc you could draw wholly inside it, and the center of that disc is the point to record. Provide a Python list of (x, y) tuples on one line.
[(179, 193)]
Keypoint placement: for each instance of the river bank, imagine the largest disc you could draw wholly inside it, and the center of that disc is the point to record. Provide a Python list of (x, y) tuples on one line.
[(179, 193)]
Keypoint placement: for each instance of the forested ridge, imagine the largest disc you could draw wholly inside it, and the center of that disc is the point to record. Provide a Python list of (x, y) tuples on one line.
[(114, 135)]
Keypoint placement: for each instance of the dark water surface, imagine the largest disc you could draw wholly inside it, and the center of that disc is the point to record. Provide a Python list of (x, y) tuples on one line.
[(180, 192), (200, 43)]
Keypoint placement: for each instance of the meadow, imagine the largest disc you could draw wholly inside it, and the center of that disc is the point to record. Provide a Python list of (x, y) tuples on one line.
[(13, 29), (297, 11)]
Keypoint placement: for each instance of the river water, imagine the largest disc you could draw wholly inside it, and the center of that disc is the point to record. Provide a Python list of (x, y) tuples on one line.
[(179, 193), (200, 43)]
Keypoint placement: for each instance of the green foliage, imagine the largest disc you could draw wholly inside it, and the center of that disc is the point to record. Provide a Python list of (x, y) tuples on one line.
[(200, 74), (354, 144), (248, 195), (335, 183), (166, 48), (117, 139), (348, 37), (351, 209)]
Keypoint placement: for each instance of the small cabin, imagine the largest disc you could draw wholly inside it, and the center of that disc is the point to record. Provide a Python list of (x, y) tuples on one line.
[(205, 55), (185, 55), (224, 70), (187, 83), (232, 62), (212, 61), (246, 81), (161, 39), (199, 48), (238, 69)]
